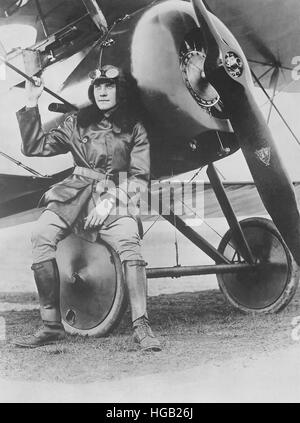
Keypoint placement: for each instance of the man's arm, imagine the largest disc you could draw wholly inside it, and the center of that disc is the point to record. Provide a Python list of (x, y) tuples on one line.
[(139, 167), (35, 142)]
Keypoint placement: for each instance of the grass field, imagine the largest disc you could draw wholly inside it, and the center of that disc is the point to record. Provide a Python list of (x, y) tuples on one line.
[(195, 328), (195, 324)]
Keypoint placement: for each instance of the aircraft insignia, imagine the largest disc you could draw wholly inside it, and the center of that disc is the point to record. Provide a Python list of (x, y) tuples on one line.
[(264, 155)]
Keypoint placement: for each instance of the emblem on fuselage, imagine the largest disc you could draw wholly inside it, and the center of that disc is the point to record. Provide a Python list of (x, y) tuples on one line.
[(264, 155)]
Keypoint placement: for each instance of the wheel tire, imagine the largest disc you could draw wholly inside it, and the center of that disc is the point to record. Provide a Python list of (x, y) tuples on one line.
[(265, 290), (94, 304)]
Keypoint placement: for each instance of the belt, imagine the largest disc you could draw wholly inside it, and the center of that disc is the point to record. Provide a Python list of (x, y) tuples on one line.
[(92, 174)]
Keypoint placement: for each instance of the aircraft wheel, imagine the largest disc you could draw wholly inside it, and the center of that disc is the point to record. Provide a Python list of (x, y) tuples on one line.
[(93, 296), (264, 290)]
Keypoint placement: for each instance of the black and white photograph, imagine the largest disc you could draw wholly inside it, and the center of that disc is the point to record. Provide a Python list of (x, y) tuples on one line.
[(149, 204)]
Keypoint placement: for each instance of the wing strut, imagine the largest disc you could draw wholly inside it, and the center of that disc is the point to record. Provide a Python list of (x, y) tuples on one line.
[(42, 18), (29, 169), (28, 78)]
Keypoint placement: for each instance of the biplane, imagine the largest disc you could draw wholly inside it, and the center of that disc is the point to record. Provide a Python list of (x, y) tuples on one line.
[(195, 64)]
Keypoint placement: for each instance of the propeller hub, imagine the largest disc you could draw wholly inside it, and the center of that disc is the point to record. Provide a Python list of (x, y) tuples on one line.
[(234, 64)]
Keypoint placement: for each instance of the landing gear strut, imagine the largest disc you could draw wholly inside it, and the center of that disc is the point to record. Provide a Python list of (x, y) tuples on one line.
[(255, 270)]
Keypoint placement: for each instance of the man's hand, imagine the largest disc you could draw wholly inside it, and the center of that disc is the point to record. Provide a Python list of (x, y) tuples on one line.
[(34, 91), (98, 215)]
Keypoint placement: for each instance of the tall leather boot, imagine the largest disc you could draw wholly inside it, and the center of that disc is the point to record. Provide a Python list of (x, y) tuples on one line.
[(46, 277), (136, 282)]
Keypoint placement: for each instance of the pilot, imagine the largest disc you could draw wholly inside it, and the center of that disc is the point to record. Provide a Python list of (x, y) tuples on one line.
[(106, 139)]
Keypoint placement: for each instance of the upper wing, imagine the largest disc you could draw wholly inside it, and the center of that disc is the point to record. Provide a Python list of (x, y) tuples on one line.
[(62, 28), (268, 30), (46, 16), (49, 17), (269, 33), (56, 29)]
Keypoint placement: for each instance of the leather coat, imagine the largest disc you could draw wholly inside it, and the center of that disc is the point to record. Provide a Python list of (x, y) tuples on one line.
[(110, 146)]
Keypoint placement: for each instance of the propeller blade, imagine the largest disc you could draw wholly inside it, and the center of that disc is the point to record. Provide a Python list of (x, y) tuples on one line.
[(255, 138), (89, 62), (257, 144)]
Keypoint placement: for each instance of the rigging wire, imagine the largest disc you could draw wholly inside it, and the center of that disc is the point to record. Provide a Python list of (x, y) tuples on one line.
[(276, 108), (188, 208), (279, 91), (20, 164), (272, 98), (203, 220)]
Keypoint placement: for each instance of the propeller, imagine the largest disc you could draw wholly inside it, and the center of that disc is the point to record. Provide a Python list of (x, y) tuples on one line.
[(227, 70), (89, 62)]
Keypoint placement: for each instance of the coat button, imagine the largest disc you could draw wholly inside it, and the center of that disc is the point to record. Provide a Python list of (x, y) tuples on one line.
[(84, 140)]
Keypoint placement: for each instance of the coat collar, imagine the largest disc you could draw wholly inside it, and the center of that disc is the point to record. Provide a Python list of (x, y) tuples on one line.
[(119, 117)]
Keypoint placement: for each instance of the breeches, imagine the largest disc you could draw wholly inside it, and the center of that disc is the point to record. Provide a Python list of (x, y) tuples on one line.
[(50, 229)]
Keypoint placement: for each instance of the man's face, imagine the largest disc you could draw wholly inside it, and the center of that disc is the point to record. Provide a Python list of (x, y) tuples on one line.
[(105, 94)]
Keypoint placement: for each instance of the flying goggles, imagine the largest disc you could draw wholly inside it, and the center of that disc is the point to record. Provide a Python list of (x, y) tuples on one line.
[(104, 74)]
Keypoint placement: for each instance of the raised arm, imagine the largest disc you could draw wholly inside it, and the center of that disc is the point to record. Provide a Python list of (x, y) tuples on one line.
[(35, 142)]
